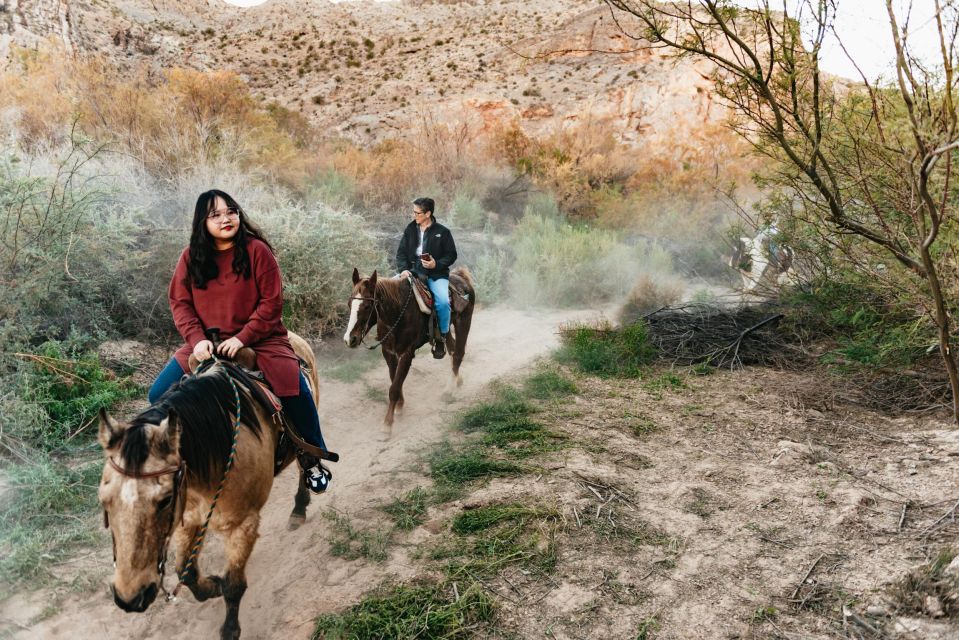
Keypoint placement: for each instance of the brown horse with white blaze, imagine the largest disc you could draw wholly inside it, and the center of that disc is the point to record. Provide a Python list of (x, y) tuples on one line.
[(401, 328), (162, 472)]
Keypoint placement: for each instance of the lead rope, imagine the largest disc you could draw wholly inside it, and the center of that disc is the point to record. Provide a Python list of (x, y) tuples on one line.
[(201, 533)]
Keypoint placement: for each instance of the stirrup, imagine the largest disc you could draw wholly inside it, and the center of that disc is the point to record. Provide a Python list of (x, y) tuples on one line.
[(318, 478)]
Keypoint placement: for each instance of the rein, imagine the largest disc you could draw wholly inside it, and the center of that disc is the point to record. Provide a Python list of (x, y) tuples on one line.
[(376, 310)]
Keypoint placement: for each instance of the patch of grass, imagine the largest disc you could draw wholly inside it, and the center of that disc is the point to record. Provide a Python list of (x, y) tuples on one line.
[(668, 381), (507, 404), (647, 628), (496, 536), (548, 384), (346, 541), (49, 513), (420, 610), (701, 503), (505, 424), (409, 511), (352, 368), (606, 351), (640, 425), (456, 468), (763, 614), (376, 394), (482, 518)]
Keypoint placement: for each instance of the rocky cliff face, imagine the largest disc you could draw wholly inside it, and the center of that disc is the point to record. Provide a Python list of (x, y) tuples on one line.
[(370, 70)]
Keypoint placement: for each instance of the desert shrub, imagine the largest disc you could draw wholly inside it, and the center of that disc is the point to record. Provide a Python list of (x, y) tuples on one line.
[(317, 249), (649, 294), (560, 264), (467, 212), (607, 351)]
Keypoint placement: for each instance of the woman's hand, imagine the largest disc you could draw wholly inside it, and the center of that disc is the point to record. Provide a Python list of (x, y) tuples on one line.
[(429, 264), (405, 275), (203, 350), (229, 347)]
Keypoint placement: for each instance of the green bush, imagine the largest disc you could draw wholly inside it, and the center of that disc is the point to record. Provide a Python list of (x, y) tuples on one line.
[(467, 212), (58, 393), (317, 249), (606, 351), (48, 512), (562, 265)]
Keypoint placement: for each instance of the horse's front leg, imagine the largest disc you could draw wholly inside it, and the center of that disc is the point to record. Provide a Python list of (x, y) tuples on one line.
[(300, 503), (396, 389), (239, 545), (203, 587), (391, 363)]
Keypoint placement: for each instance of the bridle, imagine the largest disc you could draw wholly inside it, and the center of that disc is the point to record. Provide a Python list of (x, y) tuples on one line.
[(177, 503), (369, 322)]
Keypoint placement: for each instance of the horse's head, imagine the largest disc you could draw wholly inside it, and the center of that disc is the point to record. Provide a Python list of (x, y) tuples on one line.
[(141, 491), (362, 309)]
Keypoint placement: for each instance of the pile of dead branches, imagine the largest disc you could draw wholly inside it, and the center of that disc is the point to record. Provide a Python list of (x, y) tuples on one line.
[(725, 337)]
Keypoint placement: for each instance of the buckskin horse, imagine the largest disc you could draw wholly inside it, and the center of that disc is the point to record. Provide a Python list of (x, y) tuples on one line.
[(165, 468), (401, 327)]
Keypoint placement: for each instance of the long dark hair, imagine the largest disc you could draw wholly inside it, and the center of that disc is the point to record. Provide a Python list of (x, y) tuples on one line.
[(202, 265)]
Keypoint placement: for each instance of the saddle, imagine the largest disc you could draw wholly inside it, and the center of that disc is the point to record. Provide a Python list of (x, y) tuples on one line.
[(459, 294), (243, 369)]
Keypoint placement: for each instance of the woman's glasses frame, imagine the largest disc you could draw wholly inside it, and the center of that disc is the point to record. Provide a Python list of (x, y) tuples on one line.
[(216, 214)]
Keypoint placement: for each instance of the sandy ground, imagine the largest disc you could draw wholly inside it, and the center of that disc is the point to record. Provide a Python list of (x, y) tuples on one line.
[(292, 577)]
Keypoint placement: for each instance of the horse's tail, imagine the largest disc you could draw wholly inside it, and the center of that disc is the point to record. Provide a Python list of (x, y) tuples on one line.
[(464, 272)]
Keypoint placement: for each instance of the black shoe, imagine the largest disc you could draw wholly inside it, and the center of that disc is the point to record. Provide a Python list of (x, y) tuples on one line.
[(439, 347), (318, 478)]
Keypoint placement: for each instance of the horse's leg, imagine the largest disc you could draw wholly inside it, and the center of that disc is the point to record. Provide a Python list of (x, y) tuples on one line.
[(300, 503), (203, 587), (239, 544), (463, 322), (396, 389), (391, 361)]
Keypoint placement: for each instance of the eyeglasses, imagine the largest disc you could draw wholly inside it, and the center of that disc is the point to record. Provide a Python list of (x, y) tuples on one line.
[(419, 213), (216, 214)]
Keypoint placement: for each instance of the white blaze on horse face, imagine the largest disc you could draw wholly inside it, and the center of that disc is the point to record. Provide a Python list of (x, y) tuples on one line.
[(128, 492), (354, 315)]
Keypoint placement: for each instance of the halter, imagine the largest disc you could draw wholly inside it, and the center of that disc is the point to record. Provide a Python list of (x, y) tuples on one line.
[(376, 310), (179, 494)]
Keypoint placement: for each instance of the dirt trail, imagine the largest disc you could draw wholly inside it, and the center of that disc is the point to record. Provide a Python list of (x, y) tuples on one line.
[(292, 576)]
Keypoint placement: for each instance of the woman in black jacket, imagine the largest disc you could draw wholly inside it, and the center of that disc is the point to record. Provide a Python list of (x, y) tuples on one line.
[(427, 251)]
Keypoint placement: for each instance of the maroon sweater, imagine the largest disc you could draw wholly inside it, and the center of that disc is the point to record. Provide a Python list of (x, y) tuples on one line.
[(249, 309)]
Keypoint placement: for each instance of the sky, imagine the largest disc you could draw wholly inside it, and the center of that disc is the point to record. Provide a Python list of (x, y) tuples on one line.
[(864, 28)]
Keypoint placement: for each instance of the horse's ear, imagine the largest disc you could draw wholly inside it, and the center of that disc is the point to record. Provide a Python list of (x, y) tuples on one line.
[(110, 430), (356, 275), (172, 432), (373, 279)]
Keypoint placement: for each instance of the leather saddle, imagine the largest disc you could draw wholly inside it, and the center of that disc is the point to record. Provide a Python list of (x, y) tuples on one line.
[(459, 294), (243, 369)]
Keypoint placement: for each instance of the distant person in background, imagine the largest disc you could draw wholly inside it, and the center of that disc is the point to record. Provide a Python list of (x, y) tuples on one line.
[(229, 278), (427, 251)]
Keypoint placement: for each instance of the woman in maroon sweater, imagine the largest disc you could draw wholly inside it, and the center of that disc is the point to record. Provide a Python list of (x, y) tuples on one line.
[(229, 278)]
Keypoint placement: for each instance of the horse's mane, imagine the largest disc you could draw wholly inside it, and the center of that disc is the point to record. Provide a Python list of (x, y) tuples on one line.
[(202, 405), (390, 290)]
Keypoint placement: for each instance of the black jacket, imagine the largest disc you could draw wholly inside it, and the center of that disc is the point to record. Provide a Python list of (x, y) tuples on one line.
[(437, 241)]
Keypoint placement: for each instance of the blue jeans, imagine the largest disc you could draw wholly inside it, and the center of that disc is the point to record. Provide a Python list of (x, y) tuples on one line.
[(440, 287), (300, 408)]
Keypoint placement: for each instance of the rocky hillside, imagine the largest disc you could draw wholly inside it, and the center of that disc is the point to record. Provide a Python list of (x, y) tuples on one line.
[(369, 70)]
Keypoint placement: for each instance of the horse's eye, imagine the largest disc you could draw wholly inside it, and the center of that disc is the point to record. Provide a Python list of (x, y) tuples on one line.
[(165, 503)]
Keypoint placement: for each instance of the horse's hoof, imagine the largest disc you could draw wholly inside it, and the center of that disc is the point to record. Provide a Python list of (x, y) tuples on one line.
[(459, 381), (295, 522)]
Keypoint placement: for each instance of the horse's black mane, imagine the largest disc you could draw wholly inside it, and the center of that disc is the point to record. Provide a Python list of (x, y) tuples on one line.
[(203, 407)]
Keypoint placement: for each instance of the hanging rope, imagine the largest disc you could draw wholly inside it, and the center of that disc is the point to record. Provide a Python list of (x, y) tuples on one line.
[(201, 532)]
